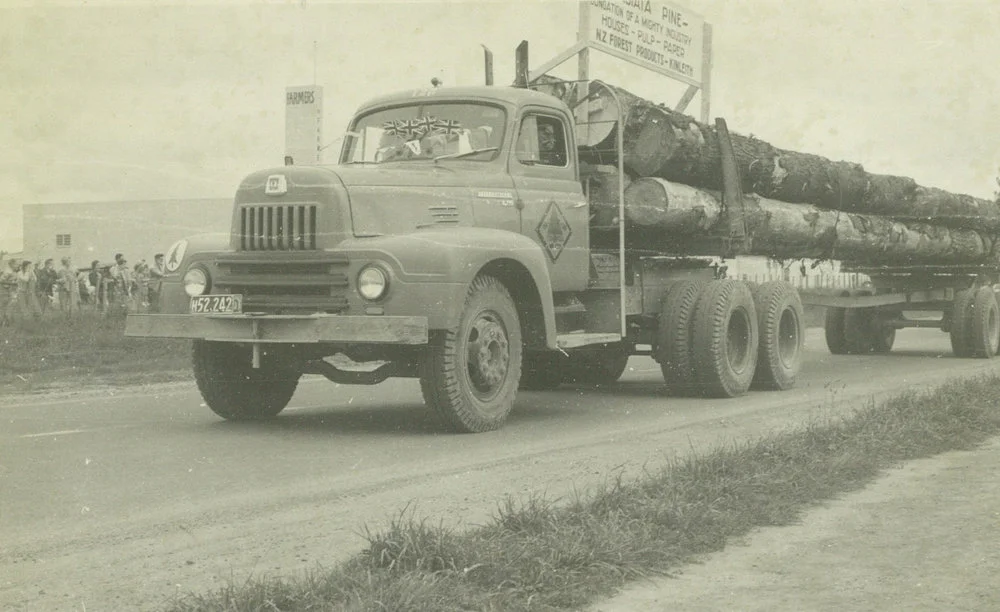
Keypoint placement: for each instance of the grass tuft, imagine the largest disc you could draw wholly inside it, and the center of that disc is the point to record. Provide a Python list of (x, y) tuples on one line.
[(58, 352), (537, 554)]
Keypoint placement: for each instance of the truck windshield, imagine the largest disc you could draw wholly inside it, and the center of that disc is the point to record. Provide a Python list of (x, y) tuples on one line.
[(466, 131)]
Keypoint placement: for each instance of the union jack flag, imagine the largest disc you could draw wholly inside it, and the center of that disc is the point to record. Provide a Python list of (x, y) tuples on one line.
[(447, 126), (396, 128)]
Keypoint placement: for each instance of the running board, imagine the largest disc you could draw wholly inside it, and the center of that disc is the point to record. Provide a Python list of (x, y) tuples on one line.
[(566, 341)]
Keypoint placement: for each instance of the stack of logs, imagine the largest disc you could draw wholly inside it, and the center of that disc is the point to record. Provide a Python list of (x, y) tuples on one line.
[(797, 205)]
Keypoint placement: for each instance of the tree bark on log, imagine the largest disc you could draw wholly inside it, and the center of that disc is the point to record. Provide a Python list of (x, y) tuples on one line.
[(659, 142), (669, 217)]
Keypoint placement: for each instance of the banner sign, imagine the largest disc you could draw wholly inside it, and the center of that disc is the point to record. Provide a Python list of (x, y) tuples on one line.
[(657, 35), (304, 124)]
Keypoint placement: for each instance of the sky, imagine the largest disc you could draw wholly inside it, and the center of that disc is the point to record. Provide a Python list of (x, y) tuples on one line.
[(105, 101)]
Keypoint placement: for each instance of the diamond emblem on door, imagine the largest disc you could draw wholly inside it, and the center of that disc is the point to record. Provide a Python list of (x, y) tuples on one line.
[(554, 231)]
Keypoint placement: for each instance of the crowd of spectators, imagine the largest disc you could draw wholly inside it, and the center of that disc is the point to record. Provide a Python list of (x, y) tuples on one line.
[(29, 289)]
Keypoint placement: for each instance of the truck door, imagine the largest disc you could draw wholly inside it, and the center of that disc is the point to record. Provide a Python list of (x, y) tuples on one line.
[(554, 211)]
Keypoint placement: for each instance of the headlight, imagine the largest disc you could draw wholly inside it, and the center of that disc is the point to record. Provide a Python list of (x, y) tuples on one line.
[(195, 281), (372, 283)]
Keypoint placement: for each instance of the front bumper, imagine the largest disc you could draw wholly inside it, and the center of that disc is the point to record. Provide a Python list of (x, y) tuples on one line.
[(281, 329)]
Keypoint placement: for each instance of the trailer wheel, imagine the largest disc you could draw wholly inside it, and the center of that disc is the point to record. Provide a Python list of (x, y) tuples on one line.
[(883, 337), (780, 325), (673, 334), (602, 366), (542, 371), (236, 391), (470, 373), (725, 339), (961, 323), (858, 332), (833, 328), (984, 330)]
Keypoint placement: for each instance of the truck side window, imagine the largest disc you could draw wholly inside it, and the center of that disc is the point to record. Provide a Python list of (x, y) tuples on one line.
[(541, 141)]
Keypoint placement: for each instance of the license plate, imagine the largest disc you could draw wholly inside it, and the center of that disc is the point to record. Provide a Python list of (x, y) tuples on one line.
[(213, 304)]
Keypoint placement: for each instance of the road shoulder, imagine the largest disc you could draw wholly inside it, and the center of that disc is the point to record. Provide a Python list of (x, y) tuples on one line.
[(926, 536)]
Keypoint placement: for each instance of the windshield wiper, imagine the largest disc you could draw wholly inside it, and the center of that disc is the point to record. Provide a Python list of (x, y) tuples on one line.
[(465, 153)]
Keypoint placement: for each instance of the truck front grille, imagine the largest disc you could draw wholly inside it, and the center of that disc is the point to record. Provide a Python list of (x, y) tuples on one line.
[(286, 283), (288, 227)]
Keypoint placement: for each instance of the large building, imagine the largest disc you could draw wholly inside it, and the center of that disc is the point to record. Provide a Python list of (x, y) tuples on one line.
[(87, 231)]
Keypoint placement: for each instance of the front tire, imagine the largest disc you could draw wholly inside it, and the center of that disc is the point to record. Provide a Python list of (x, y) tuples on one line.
[(470, 373), (236, 391)]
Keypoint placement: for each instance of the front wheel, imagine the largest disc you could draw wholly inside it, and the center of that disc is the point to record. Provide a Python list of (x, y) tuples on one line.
[(470, 373), (236, 391)]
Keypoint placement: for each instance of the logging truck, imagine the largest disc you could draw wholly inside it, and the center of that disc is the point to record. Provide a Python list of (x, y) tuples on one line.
[(455, 242)]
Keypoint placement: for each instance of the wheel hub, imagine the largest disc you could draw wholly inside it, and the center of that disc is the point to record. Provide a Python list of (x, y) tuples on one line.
[(488, 354)]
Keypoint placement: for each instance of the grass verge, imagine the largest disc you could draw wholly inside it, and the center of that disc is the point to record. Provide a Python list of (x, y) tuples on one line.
[(537, 555), (59, 353)]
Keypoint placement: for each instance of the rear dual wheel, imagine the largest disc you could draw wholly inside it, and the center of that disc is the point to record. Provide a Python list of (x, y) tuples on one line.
[(857, 331), (707, 338), (975, 323), (782, 333)]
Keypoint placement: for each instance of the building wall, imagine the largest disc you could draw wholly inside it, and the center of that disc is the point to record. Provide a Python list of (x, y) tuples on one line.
[(98, 230)]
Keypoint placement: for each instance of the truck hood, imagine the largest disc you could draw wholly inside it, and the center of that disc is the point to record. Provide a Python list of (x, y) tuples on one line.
[(399, 198)]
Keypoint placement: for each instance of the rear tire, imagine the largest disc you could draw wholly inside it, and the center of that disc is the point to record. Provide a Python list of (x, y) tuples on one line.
[(725, 339), (984, 331), (236, 391), (883, 337), (780, 325), (961, 323), (834, 328), (673, 335), (470, 373)]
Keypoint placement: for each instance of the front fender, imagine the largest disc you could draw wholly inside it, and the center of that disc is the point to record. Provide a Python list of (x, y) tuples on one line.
[(456, 256)]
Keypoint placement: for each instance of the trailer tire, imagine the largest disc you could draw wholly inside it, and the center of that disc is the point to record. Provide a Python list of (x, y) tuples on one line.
[(858, 332), (673, 335), (883, 337), (542, 371), (470, 373), (833, 328), (780, 327), (961, 323), (984, 331), (601, 366), (725, 339), (236, 391)]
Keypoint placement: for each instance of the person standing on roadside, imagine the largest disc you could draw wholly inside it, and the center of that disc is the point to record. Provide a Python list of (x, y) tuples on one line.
[(122, 278), (46, 279), (156, 274), (27, 290), (8, 292), (94, 285), (69, 288)]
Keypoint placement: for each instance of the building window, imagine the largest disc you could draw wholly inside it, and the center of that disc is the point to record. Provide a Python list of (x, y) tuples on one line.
[(63, 241)]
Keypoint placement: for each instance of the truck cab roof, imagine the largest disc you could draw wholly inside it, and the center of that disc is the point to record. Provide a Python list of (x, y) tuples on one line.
[(508, 96)]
